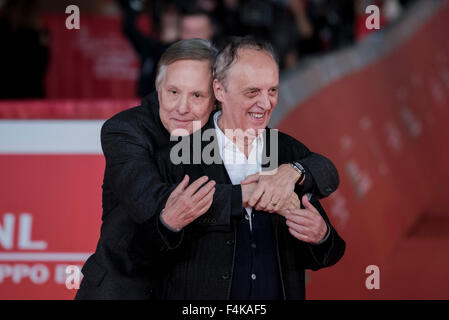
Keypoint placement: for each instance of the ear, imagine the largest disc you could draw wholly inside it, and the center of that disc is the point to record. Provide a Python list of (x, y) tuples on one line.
[(218, 90)]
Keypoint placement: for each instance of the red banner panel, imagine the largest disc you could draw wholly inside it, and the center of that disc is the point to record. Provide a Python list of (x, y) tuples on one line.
[(100, 61), (50, 219)]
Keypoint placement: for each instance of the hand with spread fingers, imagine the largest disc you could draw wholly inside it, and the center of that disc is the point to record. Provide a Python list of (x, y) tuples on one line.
[(306, 224), (185, 204), (273, 188)]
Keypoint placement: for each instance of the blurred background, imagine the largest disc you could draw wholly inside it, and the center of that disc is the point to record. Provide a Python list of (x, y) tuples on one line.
[(376, 102)]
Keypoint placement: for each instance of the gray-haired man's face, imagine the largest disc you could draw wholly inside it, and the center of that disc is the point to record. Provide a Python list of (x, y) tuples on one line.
[(250, 92), (185, 95)]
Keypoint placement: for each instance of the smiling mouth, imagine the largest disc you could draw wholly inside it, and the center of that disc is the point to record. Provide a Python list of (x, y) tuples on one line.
[(181, 120), (256, 116)]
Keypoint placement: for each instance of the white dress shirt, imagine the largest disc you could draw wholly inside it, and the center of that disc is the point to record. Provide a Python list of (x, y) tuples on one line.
[(237, 165)]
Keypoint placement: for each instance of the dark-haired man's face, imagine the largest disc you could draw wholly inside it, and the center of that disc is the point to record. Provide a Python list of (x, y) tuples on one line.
[(185, 95)]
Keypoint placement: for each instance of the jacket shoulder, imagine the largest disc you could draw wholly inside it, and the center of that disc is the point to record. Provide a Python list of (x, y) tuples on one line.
[(139, 117), (129, 116)]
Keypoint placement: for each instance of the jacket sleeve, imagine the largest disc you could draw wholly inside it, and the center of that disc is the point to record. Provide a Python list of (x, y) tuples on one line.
[(321, 176), (134, 177), (131, 172)]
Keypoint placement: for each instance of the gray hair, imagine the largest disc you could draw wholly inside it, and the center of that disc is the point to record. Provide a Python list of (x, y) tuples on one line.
[(229, 54), (188, 49)]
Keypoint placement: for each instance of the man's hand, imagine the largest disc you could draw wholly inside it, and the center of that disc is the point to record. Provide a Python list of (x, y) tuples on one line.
[(306, 224), (186, 204), (247, 192), (290, 205), (272, 190)]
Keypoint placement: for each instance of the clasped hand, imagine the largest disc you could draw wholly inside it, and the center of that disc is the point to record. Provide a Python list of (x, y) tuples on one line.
[(272, 193)]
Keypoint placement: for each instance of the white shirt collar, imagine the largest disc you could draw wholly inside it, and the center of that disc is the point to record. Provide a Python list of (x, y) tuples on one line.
[(237, 165), (225, 143)]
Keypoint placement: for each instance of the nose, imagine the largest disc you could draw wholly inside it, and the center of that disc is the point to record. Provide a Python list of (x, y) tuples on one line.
[(183, 105), (264, 101)]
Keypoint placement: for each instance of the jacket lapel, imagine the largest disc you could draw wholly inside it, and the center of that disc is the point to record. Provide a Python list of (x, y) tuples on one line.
[(216, 171)]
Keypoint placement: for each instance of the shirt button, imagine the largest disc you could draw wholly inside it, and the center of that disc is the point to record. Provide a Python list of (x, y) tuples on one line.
[(253, 245), (253, 276)]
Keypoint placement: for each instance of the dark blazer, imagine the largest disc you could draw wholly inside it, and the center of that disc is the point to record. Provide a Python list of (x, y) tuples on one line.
[(200, 264), (130, 253)]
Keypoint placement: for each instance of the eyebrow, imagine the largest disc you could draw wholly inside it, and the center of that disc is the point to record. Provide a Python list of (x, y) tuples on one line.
[(250, 89), (201, 91), (253, 89), (170, 87)]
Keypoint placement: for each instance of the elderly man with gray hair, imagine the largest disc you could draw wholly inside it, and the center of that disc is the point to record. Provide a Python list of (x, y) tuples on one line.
[(159, 231), (257, 249)]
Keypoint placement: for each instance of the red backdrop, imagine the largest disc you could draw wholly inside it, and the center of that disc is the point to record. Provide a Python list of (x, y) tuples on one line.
[(98, 57), (385, 128)]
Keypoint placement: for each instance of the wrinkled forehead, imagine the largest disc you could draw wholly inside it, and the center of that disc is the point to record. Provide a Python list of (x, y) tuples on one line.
[(252, 61), (187, 72), (255, 65)]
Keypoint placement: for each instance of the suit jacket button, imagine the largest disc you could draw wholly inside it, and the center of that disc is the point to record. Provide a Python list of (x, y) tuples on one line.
[(225, 276), (230, 242)]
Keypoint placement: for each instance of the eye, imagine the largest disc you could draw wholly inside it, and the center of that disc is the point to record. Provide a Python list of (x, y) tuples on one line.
[(274, 90), (197, 95), (172, 91), (252, 93)]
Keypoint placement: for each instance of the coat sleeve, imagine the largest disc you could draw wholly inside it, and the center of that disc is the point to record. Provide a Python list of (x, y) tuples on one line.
[(321, 175), (131, 172), (132, 175), (134, 178)]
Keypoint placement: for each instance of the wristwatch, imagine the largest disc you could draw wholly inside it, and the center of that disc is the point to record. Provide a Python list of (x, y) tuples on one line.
[(298, 167)]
